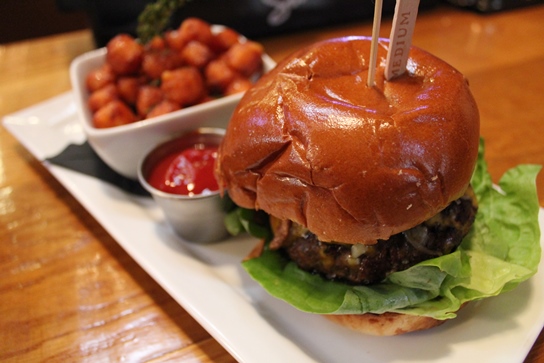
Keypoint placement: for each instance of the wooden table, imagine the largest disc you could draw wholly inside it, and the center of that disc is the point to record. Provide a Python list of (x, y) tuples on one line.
[(68, 292)]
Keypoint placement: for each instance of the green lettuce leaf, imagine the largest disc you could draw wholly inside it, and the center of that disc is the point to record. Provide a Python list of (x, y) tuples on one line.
[(502, 250)]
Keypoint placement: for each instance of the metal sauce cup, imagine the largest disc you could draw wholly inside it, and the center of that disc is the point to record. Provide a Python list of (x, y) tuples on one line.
[(198, 218)]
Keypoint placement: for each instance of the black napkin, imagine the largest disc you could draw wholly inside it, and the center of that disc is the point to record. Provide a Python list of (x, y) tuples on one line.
[(83, 159)]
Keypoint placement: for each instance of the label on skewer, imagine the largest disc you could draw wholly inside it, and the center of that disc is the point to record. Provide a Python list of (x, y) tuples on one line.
[(400, 40)]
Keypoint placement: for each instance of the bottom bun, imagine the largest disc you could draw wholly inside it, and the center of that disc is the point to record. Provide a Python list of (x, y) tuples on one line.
[(385, 324)]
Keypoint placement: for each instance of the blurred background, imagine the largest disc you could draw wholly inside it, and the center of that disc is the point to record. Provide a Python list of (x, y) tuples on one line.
[(24, 19)]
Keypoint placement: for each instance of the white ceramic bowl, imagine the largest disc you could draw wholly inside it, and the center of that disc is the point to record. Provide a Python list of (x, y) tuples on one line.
[(122, 147)]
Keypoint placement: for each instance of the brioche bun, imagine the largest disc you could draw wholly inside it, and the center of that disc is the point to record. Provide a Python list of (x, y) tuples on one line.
[(386, 324), (312, 143)]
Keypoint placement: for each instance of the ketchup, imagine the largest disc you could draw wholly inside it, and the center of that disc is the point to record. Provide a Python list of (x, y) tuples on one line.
[(188, 172)]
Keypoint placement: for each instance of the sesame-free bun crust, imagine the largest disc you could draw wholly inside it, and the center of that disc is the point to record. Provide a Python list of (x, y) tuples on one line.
[(386, 324), (312, 143)]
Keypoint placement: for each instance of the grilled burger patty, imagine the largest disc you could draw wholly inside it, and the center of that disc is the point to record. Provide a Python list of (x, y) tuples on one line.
[(366, 264)]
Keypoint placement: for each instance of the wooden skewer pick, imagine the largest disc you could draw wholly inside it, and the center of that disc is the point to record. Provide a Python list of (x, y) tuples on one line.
[(374, 44), (400, 40)]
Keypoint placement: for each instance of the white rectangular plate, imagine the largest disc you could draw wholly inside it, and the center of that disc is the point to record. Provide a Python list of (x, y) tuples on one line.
[(210, 284)]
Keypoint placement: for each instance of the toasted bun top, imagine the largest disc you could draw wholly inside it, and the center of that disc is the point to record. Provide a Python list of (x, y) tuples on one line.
[(310, 142)]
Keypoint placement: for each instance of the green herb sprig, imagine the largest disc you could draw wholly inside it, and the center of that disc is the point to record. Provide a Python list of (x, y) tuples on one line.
[(154, 19)]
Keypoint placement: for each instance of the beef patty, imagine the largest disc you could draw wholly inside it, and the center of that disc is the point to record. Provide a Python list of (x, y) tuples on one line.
[(366, 264)]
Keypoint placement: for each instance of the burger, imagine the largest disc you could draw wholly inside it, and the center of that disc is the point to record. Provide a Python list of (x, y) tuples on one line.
[(367, 190)]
